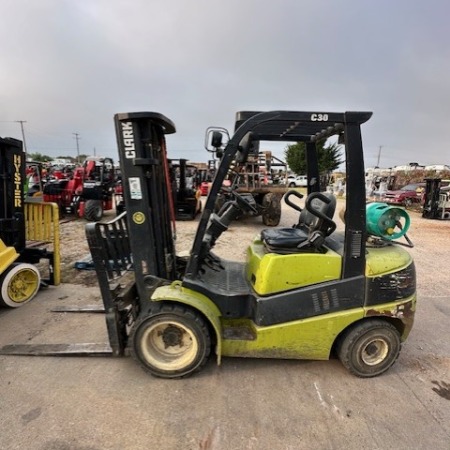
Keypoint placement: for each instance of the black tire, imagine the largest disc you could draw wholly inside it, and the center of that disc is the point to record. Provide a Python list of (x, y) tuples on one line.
[(120, 208), (408, 203), (369, 348), (172, 342), (93, 210), (291, 184), (271, 215), (19, 284)]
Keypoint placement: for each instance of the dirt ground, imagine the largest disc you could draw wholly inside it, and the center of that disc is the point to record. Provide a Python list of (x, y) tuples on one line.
[(430, 239), (89, 403)]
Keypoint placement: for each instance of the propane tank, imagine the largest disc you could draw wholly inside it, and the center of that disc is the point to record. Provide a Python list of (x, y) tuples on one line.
[(387, 222)]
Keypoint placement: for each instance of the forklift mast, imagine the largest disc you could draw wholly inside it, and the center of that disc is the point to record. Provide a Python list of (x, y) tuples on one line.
[(12, 179), (147, 190)]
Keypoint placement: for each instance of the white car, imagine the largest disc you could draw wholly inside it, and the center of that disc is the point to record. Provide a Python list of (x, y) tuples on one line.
[(297, 181)]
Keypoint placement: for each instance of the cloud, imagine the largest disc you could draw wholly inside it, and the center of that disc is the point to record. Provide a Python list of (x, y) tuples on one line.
[(70, 66)]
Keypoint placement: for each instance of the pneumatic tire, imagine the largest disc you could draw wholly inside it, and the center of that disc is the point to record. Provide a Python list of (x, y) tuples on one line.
[(93, 210), (370, 348), (19, 284), (271, 215), (171, 342)]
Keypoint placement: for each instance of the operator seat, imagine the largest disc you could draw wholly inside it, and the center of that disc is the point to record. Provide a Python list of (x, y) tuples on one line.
[(310, 232)]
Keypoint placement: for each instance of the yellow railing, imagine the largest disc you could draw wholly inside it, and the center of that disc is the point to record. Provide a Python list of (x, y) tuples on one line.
[(42, 226)]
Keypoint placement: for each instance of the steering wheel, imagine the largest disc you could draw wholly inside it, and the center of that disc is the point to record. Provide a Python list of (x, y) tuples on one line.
[(245, 205)]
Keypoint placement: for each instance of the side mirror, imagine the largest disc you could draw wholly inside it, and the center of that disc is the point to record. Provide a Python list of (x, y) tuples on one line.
[(216, 139)]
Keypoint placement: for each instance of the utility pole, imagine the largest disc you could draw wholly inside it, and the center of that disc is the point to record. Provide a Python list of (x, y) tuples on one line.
[(379, 155), (23, 136), (77, 138)]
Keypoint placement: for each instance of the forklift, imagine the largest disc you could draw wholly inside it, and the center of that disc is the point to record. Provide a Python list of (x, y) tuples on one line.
[(186, 194), (20, 279), (185, 189), (436, 203), (88, 192), (34, 184), (305, 292)]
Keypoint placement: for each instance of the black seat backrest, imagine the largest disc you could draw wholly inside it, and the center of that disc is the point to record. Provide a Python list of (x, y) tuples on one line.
[(309, 222), (310, 233)]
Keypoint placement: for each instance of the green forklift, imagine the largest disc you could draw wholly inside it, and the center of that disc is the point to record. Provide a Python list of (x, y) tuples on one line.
[(305, 292)]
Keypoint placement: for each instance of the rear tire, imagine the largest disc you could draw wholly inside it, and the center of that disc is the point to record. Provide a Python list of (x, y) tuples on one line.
[(408, 203), (93, 210), (172, 342), (370, 348), (19, 284), (271, 215)]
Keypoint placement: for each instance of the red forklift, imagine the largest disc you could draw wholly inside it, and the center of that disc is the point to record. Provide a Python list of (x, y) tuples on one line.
[(88, 192), (305, 292)]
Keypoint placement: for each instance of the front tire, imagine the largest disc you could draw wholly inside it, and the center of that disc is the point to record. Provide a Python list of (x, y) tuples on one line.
[(370, 348), (19, 284), (93, 210), (172, 342)]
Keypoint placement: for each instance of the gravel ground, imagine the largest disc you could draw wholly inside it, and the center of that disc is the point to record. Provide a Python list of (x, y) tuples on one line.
[(430, 238)]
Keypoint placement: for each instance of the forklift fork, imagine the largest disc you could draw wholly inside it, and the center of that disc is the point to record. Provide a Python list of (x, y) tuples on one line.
[(111, 255)]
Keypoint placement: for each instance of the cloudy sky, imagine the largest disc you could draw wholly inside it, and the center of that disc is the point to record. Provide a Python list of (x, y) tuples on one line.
[(67, 66)]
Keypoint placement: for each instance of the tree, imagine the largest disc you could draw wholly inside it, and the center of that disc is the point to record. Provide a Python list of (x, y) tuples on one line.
[(69, 158), (329, 157), (38, 157)]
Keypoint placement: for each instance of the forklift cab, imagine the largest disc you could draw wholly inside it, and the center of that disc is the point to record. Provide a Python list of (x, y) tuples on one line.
[(301, 294)]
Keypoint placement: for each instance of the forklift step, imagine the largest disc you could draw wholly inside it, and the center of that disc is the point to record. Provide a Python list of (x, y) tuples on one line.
[(57, 350)]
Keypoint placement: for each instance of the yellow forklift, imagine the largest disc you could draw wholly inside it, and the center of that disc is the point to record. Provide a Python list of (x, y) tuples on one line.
[(20, 279), (305, 292)]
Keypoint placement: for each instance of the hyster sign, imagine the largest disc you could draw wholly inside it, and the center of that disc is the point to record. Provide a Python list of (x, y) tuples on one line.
[(17, 181)]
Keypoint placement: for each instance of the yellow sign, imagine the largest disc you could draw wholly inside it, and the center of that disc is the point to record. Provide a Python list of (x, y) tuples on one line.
[(138, 218), (17, 182)]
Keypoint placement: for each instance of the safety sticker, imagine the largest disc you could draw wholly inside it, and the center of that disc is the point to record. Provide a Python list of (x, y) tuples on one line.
[(135, 188)]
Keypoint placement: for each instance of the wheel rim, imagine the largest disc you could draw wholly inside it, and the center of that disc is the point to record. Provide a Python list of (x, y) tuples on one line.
[(375, 352), (22, 285), (169, 345)]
